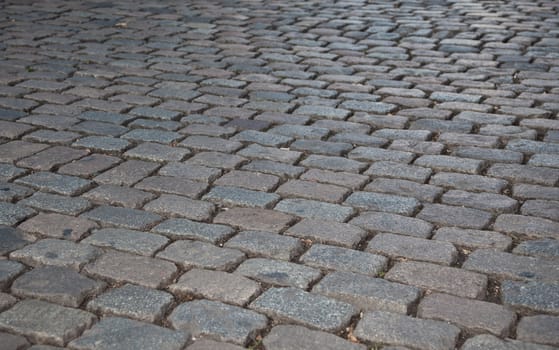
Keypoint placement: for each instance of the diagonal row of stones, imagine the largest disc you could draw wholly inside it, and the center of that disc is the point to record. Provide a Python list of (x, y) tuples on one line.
[(280, 175)]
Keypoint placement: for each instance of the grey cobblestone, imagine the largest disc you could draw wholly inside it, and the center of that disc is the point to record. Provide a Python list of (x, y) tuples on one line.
[(11, 214), (413, 248), (393, 223), (118, 196), (289, 337), (486, 341), (136, 242), (169, 204), (124, 217), (58, 226), (51, 182), (314, 209), (11, 239), (266, 244), (189, 253), (383, 202), (531, 295)]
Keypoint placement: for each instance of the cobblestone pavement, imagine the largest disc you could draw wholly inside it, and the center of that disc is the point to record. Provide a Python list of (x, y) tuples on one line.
[(279, 174)]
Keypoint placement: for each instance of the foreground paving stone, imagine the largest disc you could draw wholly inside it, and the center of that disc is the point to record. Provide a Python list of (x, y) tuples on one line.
[(539, 329), (449, 163), (235, 196), (254, 219), (58, 226), (216, 285), (447, 215), (486, 341), (525, 173), (123, 267), (314, 209), (343, 259), (472, 315), (132, 301), (474, 183), (127, 173), (125, 334), (189, 254), (266, 244), (506, 265), (8, 271), (217, 321), (531, 295), (484, 201), (11, 239), (287, 337), (13, 342), (190, 172), (439, 278), (327, 232), (397, 246), (527, 225), (383, 202), (56, 284), (60, 184), (119, 196), (473, 239), (184, 228), (136, 242), (389, 328), (168, 204), (368, 293), (56, 252), (44, 322), (308, 309), (545, 248), (124, 217), (56, 203), (279, 273), (174, 185), (392, 223)]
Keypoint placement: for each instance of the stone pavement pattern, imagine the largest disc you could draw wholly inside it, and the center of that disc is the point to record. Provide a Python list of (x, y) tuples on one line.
[(279, 174)]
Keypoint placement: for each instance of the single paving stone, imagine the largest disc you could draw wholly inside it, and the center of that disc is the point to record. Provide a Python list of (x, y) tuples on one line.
[(147, 136), (527, 225), (312, 190), (427, 193), (168, 204), (125, 217), (125, 334), (136, 242), (343, 259), (123, 267), (399, 171), (207, 344), (189, 253), (282, 170), (279, 273), (371, 154), (6, 301), (545, 248), (448, 163), (52, 157), (11, 193), (235, 196), (51, 182), (321, 147), (218, 321), (216, 285), (249, 180), (390, 328), (288, 337), (489, 154), (393, 223), (541, 208), (308, 309), (11, 214), (472, 315), (314, 209), (183, 228), (58, 226), (217, 160), (525, 191), (56, 284), (486, 341), (506, 265), (270, 153), (57, 203), (485, 118), (300, 131), (473, 239), (137, 302), (89, 166), (485, 201), (539, 329), (266, 244), (254, 219), (56, 252), (369, 107), (333, 163), (531, 295), (447, 215), (545, 160), (474, 183), (127, 173), (353, 181), (420, 147), (190, 172), (43, 322), (358, 139), (207, 143), (439, 278), (13, 342), (368, 293), (119, 196), (99, 128), (262, 138), (8, 271), (14, 150), (157, 153), (383, 202), (11, 239), (525, 173), (397, 246), (174, 185), (8, 172)]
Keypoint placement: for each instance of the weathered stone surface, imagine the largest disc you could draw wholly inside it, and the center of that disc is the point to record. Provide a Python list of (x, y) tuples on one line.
[(56, 203), (11, 214), (45, 322), (8, 271), (328, 232), (189, 253), (486, 341), (397, 246), (343, 259), (216, 285), (217, 321), (539, 329), (56, 252), (295, 305), (207, 344), (526, 225), (124, 217), (137, 302), (315, 210), (545, 248), (11, 239), (389, 328), (472, 315), (266, 244), (531, 295), (383, 202), (184, 228), (51, 182), (58, 226), (127, 334), (235, 196), (448, 215), (473, 239), (287, 337), (279, 273), (13, 342), (170, 204), (136, 242), (254, 219), (392, 223)]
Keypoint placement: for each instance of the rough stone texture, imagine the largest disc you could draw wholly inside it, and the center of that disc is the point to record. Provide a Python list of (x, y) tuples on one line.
[(383, 202), (137, 302), (216, 285), (447, 215), (389, 328), (207, 344), (295, 305), (314, 209), (56, 252), (189, 253), (526, 225), (486, 341), (169, 204), (266, 244), (546, 248), (184, 228), (217, 321), (125, 217), (45, 322), (8, 271), (11, 214), (343, 259), (473, 239), (392, 223), (127, 334), (328, 232), (286, 337), (11, 239), (531, 295), (439, 278), (539, 329), (472, 315), (279, 273), (13, 342), (60, 184), (58, 226), (254, 219)]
